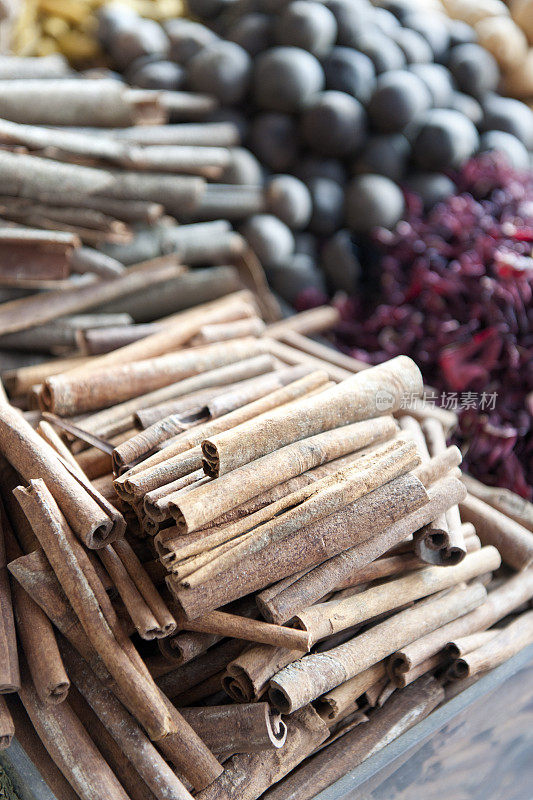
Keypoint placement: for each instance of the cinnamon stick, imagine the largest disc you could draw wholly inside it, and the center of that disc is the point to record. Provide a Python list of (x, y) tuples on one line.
[(36, 634), (73, 394), (222, 332), (512, 505), (201, 506), (500, 602), (357, 398), (404, 710), (311, 545), (466, 644), (325, 619), (243, 728), (332, 705), (135, 745), (7, 728), (514, 542), (509, 640), (185, 677), (187, 645), (253, 630), (329, 574), (316, 674), (246, 677), (9, 666), (253, 389), (27, 312), (32, 457), (246, 776), (70, 747)]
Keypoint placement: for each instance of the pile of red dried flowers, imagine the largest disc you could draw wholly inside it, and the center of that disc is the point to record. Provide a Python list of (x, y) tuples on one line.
[(453, 289)]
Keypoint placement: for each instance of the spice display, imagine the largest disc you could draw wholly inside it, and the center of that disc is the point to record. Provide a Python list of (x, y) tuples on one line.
[(238, 586)]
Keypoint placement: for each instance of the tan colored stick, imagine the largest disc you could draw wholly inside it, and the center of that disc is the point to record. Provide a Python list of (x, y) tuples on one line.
[(316, 674), (9, 665), (311, 545), (513, 638), (326, 619), (19, 381), (27, 312), (64, 555), (242, 728), (512, 505), (466, 644), (314, 503), (7, 727), (332, 705), (223, 331), (120, 417), (32, 457), (315, 320), (514, 542), (325, 577), (125, 731), (246, 677), (248, 775), (300, 342), (404, 710), (178, 329), (371, 393), (201, 506), (71, 748), (152, 473), (251, 630), (168, 426), (36, 635), (73, 394), (439, 466), (500, 602)]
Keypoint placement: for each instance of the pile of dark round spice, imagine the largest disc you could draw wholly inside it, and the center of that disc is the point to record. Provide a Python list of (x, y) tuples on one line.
[(453, 288)]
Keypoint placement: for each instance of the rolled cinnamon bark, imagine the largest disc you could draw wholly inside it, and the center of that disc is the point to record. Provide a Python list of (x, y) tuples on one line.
[(246, 776), (325, 619), (143, 756), (185, 677), (325, 577), (308, 506), (466, 644), (201, 506), (512, 505), (246, 677), (230, 729), (120, 417), (28, 254), (7, 727), (178, 328), (311, 545), (156, 502), (403, 679), (322, 351), (215, 134), (314, 320), (316, 674), (187, 645), (36, 634), (27, 312), (382, 568), (167, 465), (500, 602), (372, 393), (132, 783), (332, 705), (144, 442), (9, 666), (222, 332), (96, 341), (140, 613), (514, 542), (20, 381), (404, 710), (440, 465), (73, 394), (32, 457), (66, 557), (253, 630), (509, 640), (71, 748)]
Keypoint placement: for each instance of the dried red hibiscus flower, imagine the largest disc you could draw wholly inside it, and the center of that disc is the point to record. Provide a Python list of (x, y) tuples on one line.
[(453, 289)]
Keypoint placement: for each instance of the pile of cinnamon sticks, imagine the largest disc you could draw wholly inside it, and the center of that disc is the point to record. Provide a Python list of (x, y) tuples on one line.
[(235, 563)]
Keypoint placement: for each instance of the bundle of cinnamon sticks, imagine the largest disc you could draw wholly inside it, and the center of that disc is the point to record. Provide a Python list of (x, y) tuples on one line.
[(234, 562)]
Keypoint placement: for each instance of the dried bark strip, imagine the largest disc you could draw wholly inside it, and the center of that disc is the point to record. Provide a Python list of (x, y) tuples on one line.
[(514, 542), (354, 399), (509, 641), (305, 680), (329, 574), (246, 677), (243, 728)]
